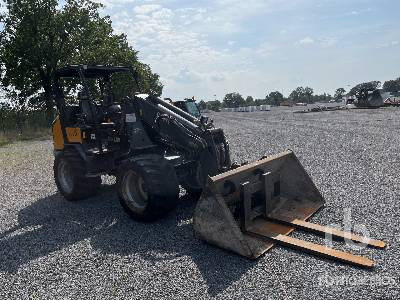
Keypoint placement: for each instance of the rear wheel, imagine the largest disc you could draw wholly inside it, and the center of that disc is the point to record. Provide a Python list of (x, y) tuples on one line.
[(69, 175), (147, 187)]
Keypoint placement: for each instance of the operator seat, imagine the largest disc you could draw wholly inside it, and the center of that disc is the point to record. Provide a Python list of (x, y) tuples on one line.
[(89, 108)]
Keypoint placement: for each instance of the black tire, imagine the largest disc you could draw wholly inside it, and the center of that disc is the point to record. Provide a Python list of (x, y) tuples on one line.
[(69, 175), (147, 187), (193, 190), (193, 193), (193, 184)]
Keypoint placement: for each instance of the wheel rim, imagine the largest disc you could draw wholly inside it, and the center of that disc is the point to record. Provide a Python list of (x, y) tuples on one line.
[(65, 177), (134, 191)]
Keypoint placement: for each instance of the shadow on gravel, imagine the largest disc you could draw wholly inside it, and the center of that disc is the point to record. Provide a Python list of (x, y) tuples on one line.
[(51, 224)]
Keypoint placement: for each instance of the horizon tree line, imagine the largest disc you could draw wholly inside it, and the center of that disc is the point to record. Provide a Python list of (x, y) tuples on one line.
[(300, 94)]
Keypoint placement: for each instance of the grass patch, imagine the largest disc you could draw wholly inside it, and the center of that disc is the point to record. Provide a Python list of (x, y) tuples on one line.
[(11, 136)]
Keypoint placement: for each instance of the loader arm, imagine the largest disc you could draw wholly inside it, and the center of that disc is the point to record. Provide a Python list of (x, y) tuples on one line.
[(194, 139)]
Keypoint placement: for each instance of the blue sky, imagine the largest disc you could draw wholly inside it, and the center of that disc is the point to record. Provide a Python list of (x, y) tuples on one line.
[(207, 48)]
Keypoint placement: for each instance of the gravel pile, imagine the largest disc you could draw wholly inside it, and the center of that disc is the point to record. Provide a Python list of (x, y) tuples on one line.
[(54, 249)]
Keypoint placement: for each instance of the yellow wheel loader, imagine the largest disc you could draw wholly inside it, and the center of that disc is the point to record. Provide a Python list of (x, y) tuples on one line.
[(152, 147)]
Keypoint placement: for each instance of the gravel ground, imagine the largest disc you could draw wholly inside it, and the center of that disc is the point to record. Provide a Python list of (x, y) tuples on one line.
[(54, 249)]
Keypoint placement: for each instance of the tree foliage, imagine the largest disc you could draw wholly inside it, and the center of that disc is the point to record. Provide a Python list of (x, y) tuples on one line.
[(370, 86), (214, 105), (275, 98), (339, 93), (38, 37), (322, 98), (249, 101), (302, 94), (233, 100), (261, 101), (308, 92), (392, 86)]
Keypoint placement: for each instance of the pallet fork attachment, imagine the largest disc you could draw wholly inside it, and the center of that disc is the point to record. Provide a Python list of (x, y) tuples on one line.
[(250, 209)]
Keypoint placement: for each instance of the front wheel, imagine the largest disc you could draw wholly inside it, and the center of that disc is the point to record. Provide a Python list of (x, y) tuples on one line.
[(69, 175), (147, 187)]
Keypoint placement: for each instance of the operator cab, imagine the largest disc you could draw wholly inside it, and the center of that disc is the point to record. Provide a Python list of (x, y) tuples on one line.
[(88, 99), (188, 105), (92, 90)]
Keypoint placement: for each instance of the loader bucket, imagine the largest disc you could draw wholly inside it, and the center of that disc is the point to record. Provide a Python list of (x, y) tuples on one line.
[(249, 209)]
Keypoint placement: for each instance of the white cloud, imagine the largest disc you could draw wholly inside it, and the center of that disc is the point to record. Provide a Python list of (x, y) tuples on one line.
[(325, 42), (204, 48), (265, 49), (328, 42), (217, 77), (114, 3), (388, 44), (2, 6), (181, 54), (306, 41), (146, 9), (177, 44), (187, 76), (360, 11)]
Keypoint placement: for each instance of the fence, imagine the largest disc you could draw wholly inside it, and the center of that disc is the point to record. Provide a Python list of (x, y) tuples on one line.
[(248, 108), (16, 125)]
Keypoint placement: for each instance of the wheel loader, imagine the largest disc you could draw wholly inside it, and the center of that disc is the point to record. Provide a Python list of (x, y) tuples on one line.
[(153, 147)]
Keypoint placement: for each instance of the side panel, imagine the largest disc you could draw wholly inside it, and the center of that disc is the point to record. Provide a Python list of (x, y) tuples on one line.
[(74, 134), (58, 139)]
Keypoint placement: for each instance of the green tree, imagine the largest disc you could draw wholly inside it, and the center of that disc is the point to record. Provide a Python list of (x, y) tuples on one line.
[(233, 100), (261, 101), (302, 94), (38, 37), (275, 98), (339, 93), (318, 98), (249, 101), (297, 94), (392, 86), (322, 98), (214, 105), (307, 94), (370, 86)]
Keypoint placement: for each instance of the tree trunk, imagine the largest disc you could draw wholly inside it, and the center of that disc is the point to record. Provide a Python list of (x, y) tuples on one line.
[(19, 120), (48, 98), (2, 117)]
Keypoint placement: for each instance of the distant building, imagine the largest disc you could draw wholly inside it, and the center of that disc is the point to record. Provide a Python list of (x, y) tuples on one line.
[(250, 108)]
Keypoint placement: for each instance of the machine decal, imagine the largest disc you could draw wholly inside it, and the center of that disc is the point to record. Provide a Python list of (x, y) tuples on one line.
[(130, 118)]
